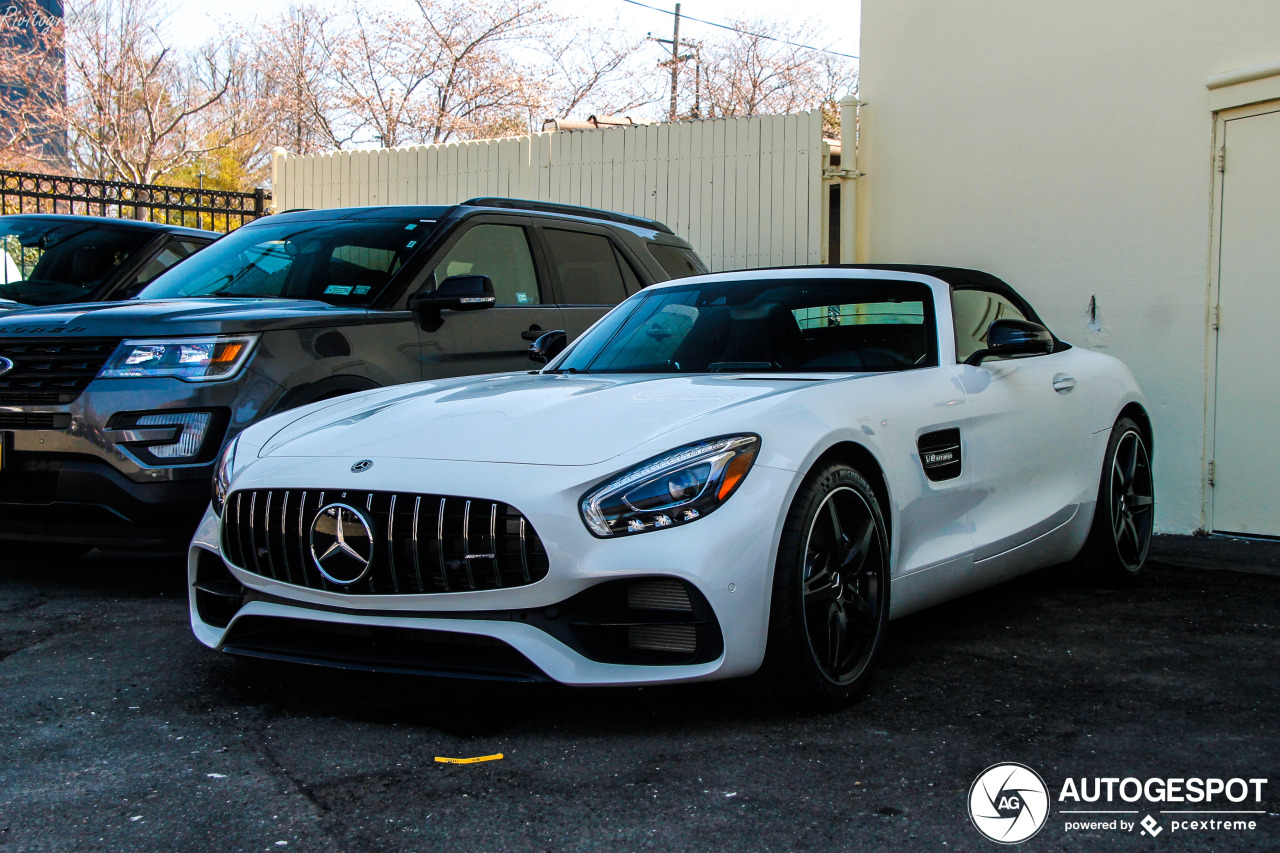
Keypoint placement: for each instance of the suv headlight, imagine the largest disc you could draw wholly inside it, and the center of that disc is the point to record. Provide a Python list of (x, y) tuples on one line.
[(189, 359), (672, 489), (222, 475)]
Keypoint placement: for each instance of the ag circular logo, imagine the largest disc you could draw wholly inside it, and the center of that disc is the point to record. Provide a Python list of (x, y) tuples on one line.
[(362, 465), (5, 365), (1008, 803), (341, 543)]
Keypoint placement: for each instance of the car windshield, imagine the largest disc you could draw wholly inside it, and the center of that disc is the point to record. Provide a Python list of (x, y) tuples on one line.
[(343, 262), (763, 326), (55, 261)]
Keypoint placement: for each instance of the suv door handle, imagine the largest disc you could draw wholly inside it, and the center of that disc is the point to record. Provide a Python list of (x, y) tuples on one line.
[(1063, 383), (534, 332)]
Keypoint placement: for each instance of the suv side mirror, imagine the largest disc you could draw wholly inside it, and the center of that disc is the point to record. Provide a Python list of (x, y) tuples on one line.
[(547, 346), (457, 293), (1006, 338)]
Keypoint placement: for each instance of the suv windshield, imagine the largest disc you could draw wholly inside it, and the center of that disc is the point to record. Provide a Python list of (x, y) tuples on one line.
[(343, 262), (778, 326), (51, 262)]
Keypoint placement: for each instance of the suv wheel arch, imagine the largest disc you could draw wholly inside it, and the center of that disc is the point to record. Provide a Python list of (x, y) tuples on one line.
[(333, 386)]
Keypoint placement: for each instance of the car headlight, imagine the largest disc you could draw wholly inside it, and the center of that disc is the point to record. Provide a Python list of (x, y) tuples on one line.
[(222, 475), (190, 359), (672, 489)]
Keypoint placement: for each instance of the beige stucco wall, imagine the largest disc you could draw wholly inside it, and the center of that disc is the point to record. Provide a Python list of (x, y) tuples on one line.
[(1068, 148)]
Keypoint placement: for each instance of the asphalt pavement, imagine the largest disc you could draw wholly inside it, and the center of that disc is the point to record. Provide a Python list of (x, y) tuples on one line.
[(121, 733)]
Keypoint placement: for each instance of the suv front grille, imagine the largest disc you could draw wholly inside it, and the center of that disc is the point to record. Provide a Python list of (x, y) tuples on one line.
[(422, 543), (51, 370)]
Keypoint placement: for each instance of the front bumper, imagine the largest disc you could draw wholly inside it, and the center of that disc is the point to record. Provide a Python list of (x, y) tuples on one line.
[(521, 632), (84, 484), (84, 502)]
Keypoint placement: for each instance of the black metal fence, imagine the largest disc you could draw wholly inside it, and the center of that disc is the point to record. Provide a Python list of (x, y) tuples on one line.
[(215, 210)]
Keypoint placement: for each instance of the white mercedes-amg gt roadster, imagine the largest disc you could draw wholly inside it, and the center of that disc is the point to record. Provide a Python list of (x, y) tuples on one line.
[(735, 475)]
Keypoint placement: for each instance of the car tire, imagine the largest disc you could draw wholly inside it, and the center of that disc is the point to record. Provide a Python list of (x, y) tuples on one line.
[(830, 600), (1120, 536)]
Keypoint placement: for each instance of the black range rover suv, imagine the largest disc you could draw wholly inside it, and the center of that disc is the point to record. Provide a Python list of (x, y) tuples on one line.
[(112, 414)]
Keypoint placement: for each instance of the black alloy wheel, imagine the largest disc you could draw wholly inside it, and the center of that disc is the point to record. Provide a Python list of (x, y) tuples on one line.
[(830, 605), (1124, 517), (842, 585), (1132, 500)]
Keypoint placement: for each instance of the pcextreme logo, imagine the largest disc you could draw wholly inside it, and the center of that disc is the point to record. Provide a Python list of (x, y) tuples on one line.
[(1009, 803)]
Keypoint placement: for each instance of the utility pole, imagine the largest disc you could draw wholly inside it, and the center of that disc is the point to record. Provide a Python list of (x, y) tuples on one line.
[(675, 64), (675, 60)]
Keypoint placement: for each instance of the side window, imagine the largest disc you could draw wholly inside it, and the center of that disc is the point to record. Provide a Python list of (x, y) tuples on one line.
[(628, 274), (500, 252), (974, 311), (586, 266), (173, 251), (677, 262)]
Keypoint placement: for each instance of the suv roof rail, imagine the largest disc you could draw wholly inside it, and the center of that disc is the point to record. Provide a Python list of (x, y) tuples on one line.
[(569, 210)]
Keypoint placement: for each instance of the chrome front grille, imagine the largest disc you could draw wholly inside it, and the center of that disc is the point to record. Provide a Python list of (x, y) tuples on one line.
[(51, 370), (422, 543)]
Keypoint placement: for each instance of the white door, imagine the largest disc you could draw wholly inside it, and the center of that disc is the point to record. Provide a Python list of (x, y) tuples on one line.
[(1246, 470)]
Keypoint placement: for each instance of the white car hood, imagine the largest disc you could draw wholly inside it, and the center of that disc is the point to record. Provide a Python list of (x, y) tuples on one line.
[(541, 419)]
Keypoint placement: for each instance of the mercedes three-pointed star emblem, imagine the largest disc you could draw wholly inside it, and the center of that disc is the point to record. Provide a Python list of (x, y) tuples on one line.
[(341, 543)]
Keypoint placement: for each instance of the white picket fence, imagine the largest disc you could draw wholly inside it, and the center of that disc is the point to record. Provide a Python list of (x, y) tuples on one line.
[(746, 192)]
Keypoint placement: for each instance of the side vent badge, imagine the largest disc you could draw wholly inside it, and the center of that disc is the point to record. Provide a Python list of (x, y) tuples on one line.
[(940, 454)]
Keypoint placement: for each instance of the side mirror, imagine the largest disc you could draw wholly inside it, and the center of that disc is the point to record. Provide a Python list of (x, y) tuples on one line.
[(547, 346), (1009, 338), (456, 293)]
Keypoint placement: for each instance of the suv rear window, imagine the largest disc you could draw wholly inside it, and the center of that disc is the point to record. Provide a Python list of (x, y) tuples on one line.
[(676, 261), (343, 262)]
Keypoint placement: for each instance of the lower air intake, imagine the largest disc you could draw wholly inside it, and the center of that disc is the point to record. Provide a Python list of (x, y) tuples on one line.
[(676, 639)]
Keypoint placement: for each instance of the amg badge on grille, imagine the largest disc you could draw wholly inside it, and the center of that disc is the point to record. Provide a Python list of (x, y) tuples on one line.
[(5, 365)]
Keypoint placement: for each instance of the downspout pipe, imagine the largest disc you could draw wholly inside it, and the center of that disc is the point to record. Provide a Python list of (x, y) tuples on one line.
[(848, 176)]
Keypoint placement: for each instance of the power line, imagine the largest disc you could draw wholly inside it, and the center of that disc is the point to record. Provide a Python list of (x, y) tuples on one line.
[(744, 32)]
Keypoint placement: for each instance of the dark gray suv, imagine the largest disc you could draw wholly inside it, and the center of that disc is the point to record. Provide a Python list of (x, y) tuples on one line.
[(112, 414)]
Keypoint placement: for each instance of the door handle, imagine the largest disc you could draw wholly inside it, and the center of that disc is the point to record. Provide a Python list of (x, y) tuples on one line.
[(1063, 383)]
